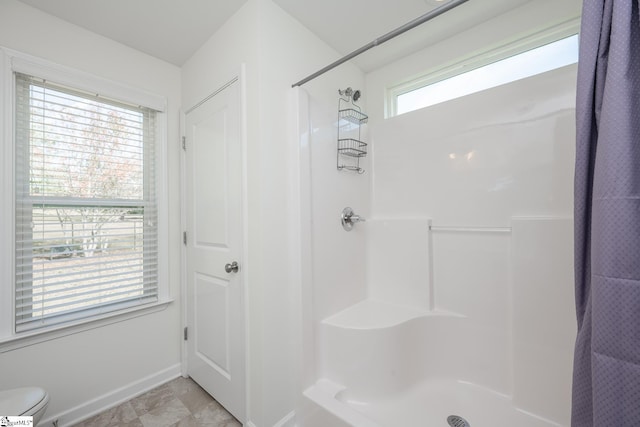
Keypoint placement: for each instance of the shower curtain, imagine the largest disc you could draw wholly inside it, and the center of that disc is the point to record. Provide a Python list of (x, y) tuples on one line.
[(606, 379)]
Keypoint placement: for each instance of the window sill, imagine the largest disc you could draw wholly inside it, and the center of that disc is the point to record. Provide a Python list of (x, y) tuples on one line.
[(27, 339)]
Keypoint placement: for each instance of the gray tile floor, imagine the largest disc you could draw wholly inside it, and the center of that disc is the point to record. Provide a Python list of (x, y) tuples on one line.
[(178, 403)]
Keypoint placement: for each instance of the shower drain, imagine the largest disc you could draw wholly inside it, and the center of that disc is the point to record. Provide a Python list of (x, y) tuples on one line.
[(457, 421)]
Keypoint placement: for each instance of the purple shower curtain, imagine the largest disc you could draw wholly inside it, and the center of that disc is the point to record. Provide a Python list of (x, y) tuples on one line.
[(606, 378)]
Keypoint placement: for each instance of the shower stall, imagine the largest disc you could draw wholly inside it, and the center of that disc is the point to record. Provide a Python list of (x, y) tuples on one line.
[(452, 304)]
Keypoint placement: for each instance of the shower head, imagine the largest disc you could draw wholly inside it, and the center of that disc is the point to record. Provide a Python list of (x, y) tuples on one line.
[(347, 92), (350, 93)]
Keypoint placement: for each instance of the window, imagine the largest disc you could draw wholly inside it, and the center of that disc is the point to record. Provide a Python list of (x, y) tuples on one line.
[(86, 211), (426, 91)]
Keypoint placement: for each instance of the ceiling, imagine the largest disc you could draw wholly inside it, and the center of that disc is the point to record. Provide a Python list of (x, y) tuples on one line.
[(173, 30)]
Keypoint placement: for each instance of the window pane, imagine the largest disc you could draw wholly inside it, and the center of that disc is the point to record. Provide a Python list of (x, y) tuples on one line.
[(86, 234), (532, 62), (84, 256), (84, 148)]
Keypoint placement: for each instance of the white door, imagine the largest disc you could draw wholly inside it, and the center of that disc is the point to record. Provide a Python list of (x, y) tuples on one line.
[(215, 320)]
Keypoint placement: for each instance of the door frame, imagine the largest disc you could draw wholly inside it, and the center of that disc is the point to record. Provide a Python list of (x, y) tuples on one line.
[(240, 77)]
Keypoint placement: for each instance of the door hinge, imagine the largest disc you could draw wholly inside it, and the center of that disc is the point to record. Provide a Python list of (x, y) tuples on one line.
[(184, 143), (184, 237), (186, 333)]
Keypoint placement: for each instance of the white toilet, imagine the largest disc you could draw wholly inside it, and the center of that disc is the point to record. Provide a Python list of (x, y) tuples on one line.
[(25, 401)]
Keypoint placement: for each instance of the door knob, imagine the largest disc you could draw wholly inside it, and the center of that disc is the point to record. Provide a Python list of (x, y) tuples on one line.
[(232, 268)]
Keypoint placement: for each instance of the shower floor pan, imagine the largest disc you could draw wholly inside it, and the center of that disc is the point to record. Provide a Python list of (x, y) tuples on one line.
[(384, 365), (428, 404)]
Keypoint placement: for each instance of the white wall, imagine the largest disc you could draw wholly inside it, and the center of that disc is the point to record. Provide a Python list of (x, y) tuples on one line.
[(92, 368), (288, 52), (277, 51)]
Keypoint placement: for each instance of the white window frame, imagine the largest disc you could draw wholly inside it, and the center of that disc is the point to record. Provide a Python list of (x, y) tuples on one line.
[(477, 60), (10, 62)]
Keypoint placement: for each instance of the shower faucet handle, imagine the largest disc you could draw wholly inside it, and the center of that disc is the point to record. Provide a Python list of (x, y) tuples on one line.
[(349, 218)]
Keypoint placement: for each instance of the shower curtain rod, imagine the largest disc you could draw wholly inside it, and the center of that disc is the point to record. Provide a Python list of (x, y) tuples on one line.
[(400, 30)]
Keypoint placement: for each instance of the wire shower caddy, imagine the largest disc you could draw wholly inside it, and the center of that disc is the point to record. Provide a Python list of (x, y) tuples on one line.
[(350, 119)]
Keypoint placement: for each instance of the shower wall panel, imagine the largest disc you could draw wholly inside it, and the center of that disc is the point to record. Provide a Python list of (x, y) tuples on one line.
[(338, 256), (543, 315), (396, 269), (494, 173)]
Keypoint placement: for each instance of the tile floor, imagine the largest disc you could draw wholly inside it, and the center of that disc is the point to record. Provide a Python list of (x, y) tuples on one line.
[(178, 403)]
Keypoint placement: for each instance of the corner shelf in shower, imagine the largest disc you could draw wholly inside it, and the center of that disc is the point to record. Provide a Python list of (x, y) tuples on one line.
[(350, 119)]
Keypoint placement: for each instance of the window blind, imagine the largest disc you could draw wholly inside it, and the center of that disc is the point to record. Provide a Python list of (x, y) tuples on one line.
[(86, 239)]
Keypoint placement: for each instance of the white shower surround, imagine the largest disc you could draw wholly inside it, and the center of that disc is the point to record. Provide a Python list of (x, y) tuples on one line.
[(409, 325)]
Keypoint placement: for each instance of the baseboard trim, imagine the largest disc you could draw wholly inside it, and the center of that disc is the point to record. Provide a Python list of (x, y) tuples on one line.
[(289, 420), (111, 399)]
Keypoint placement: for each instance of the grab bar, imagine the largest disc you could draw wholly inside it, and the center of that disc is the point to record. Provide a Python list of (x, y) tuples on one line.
[(462, 229)]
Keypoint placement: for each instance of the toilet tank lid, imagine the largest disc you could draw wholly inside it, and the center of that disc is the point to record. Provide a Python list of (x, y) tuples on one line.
[(18, 401)]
